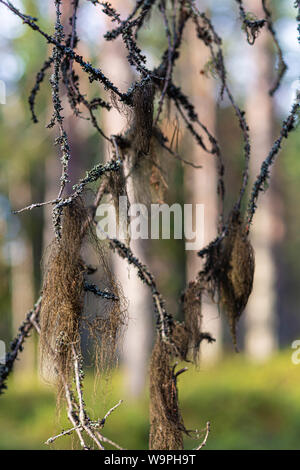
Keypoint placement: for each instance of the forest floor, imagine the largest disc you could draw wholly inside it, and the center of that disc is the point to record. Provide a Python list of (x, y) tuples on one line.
[(249, 406)]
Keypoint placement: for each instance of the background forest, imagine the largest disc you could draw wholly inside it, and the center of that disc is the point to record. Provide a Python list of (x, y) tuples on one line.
[(251, 399)]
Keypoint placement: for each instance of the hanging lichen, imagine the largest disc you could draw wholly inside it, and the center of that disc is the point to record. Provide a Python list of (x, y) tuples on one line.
[(229, 271), (166, 423), (63, 294)]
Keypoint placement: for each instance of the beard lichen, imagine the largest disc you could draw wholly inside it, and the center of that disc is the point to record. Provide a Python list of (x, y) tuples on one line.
[(64, 312), (229, 271), (63, 297)]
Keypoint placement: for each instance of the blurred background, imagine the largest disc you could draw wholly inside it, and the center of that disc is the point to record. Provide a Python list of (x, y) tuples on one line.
[(251, 399)]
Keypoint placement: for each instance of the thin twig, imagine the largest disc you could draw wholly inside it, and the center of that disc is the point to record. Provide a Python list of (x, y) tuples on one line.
[(203, 443)]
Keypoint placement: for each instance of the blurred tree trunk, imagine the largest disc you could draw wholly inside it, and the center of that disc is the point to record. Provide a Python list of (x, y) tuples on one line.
[(260, 320), (201, 184), (22, 278), (138, 336)]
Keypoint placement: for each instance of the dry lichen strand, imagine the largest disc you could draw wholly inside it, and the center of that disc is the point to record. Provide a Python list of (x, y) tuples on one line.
[(63, 295), (106, 326), (106, 322), (149, 176), (140, 131), (193, 318), (166, 423), (237, 281), (229, 271), (62, 311), (142, 147)]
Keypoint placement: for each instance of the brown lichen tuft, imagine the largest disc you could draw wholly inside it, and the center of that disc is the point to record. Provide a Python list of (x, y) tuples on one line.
[(141, 147), (63, 293), (180, 340), (107, 323), (237, 282), (229, 270), (65, 310), (140, 131), (166, 423), (157, 174), (187, 335), (193, 317)]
